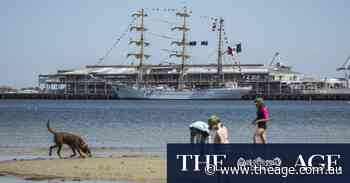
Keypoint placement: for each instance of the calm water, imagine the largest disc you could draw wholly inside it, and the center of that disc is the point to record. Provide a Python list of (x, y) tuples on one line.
[(149, 125)]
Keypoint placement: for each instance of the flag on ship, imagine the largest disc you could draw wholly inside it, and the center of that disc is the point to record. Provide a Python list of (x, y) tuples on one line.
[(204, 43), (193, 43), (230, 50), (239, 47)]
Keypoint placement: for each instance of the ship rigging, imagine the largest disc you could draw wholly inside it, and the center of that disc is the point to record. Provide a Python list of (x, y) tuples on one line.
[(141, 91)]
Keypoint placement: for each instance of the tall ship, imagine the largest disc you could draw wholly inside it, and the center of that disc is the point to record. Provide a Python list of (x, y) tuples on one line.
[(141, 90)]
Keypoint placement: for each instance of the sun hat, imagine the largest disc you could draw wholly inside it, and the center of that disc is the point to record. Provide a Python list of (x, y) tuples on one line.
[(213, 120), (201, 126)]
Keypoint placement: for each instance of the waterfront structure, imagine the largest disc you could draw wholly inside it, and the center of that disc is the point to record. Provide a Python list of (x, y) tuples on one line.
[(266, 80), (272, 79), (7, 89), (85, 81)]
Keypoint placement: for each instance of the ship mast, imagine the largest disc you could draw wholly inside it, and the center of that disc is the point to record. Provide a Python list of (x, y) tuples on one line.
[(141, 56), (183, 43), (220, 76)]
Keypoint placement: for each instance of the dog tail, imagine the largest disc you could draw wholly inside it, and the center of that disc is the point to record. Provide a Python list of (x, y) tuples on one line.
[(49, 128)]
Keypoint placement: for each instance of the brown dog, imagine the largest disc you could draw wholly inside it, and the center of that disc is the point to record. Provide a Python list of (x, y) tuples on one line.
[(74, 141)]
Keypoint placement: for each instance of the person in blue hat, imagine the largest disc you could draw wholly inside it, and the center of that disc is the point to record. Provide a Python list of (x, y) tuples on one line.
[(199, 132)]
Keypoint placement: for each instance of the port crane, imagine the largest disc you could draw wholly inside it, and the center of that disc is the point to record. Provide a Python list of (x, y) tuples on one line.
[(274, 58), (346, 69)]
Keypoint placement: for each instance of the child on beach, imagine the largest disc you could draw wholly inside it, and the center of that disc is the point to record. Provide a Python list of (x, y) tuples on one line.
[(218, 132)]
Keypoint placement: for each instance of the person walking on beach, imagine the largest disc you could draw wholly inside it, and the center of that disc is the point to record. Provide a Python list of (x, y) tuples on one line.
[(262, 117), (199, 132), (218, 132)]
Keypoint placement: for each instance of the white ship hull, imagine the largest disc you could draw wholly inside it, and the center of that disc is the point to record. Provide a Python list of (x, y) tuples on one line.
[(127, 92)]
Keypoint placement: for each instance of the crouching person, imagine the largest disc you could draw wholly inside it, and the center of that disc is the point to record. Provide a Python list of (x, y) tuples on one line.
[(199, 132)]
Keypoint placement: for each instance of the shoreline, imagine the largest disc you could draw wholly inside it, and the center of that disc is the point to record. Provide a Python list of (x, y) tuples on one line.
[(292, 97), (107, 164), (134, 168)]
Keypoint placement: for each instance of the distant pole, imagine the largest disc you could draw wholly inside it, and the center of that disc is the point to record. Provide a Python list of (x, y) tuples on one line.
[(183, 52), (219, 69)]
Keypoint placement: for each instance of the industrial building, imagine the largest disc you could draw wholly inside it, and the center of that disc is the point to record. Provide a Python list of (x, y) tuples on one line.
[(267, 80)]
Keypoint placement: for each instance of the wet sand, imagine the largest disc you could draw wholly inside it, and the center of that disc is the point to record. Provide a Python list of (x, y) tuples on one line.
[(12, 179), (134, 167)]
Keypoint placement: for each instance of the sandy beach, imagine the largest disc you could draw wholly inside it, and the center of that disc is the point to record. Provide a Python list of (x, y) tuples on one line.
[(134, 168)]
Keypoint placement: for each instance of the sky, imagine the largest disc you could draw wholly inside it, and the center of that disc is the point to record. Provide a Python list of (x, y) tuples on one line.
[(41, 36)]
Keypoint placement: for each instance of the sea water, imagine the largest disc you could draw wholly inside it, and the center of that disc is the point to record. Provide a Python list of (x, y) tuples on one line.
[(148, 125)]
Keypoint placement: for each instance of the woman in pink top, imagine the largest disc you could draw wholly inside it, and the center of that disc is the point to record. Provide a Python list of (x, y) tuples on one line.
[(262, 117)]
